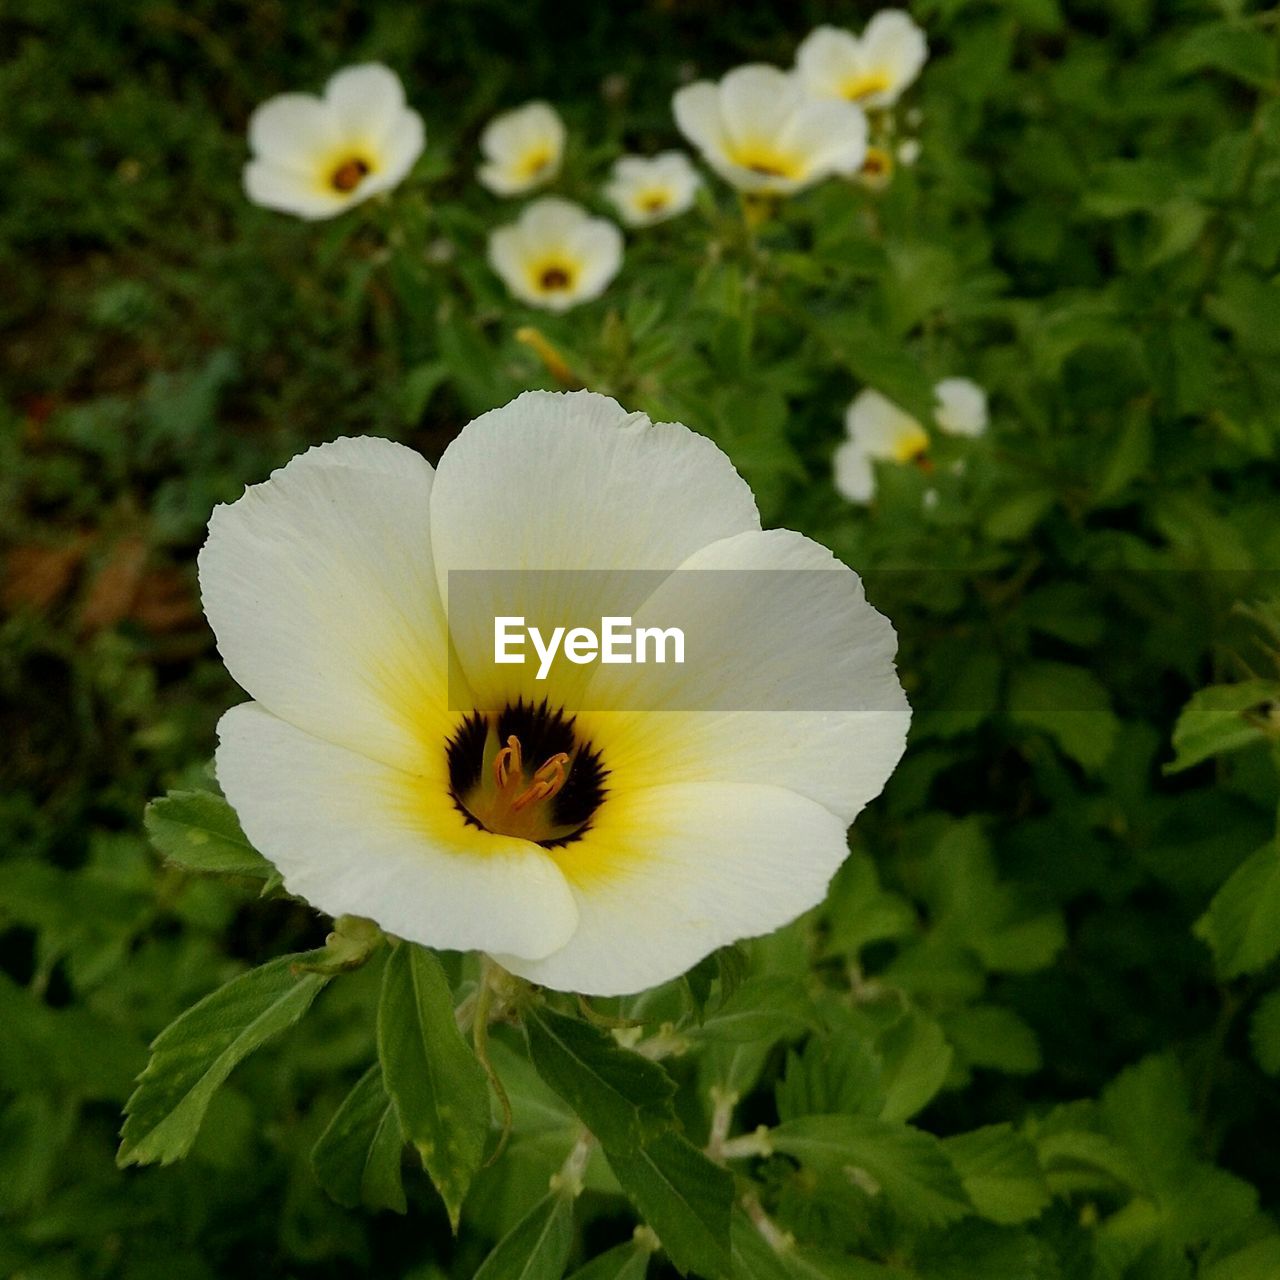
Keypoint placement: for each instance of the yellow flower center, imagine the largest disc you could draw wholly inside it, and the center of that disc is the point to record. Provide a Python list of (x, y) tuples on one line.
[(767, 161), (554, 275), (857, 87), (912, 446), (654, 201), (349, 174), (878, 163), (534, 162), (525, 773)]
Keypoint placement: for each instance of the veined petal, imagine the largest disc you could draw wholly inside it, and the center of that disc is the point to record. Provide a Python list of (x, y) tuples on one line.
[(802, 693), (356, 837), (320, 587), (571, 481), (668, 874)]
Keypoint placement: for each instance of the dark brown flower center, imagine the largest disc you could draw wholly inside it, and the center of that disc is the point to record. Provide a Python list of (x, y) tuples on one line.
[(553, 278), (349, 174)]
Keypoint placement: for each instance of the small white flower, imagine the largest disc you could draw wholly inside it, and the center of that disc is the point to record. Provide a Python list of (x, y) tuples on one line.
[(961, 407), (879, 431), (556, 255), (908, 152), (872, 69), (762, 133), (588, 849), (645, 191), (315, 157), (522, 149)]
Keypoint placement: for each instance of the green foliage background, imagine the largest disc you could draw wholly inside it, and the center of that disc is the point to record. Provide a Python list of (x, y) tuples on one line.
[(1039, 1016)]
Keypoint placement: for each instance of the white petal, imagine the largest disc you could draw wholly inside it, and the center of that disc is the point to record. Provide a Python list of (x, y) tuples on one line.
[(878, 425), (756, 102), (289, 191), (854, 478), (598, 245), (294, 131), (356, 837), (788, 679), (892, 41), (826, 59), (831, 135), (566, 481), (368, 102), (398, 153), (697, 112), (961, 407), (669, 874), (320, 587)]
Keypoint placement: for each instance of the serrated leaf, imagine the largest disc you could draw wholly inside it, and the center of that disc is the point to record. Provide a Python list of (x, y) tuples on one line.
[(537, 1247), (357, 1158), (1221, 719), (440, 1091), (1001, 1173), (1242, 924), (684, 1197), (623, 1098), (908, 1166), (1264, 1033), (197, 1051), (200, 831), (768, 1006)]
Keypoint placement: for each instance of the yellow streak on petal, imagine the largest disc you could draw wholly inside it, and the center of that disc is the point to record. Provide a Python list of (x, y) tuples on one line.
[(863, 85)]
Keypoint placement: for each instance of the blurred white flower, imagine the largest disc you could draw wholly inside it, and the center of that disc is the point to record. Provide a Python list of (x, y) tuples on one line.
[(389, 770), (762, 133), (646, 191), (556, 255), (879, 431), (961, 407), (872, 69), (522, 149), (316, 156), (908, 152)]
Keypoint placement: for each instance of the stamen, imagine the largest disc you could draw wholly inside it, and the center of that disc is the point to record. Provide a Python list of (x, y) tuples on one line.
[(547, 781)]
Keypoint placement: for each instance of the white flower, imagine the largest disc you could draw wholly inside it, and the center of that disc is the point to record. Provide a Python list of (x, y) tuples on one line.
[(908, 152), (315, 157), (871, 70), (601, 851), (961, 407), (556, 255), (645, 191), (759, 130), (522, 149), (879, 430)]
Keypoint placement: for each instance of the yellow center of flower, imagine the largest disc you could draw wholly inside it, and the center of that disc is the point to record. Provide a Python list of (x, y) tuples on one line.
[(654, 201), (525, 773), (349, 174), (912, 446), (878, 163), (554, 275), (855, 88), (535, 162), (767, 161)]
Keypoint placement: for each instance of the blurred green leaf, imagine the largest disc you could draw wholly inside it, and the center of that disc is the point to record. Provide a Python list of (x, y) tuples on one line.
[(1242, 924), (357, 1158), (1222, 718), (1000, 1173), (537, 1247)]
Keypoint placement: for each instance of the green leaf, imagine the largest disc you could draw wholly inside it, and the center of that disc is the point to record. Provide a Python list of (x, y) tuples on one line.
[(192, 1056), (1242, 924), (1242, 52), (1264, 1033), (623, 1098), (1070, 705), (200, 831), (989, 1035), (1222, 718), (768, 1006), (357, 1158), (684, 1197), (537, 1247), (440, 1091), (916, 1058), (629, 1261), (908, 1166), (1001, 1173)]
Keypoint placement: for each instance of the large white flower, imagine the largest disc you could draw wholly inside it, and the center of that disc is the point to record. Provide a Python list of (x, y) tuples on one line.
[(760, 131), (522, 149), (597, 850), (556, 254), (647, 190), (315, 157), (960, 407), (872, 69), (879, 431)]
